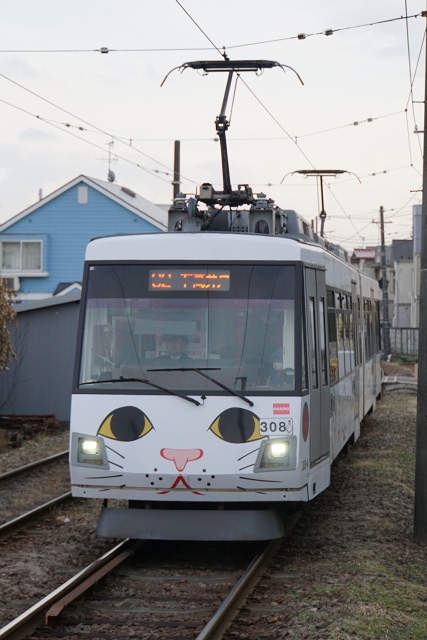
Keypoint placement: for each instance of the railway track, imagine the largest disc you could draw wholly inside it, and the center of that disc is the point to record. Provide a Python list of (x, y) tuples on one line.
[(31, 466), (13, 483), (195, 596), (10, 526)]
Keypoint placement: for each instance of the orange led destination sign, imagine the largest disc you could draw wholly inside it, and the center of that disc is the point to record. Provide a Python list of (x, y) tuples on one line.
[(182, 280)]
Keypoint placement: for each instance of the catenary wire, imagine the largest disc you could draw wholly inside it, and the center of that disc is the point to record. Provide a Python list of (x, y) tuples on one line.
[(299, 36)]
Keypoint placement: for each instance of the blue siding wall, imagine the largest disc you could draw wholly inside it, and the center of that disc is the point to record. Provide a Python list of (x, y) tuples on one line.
[(66, 227)]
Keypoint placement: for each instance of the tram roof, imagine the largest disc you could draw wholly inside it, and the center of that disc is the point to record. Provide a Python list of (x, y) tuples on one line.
[(203, 246)]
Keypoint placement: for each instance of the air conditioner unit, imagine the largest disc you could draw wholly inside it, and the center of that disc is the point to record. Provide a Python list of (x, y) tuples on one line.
[(12, 283)]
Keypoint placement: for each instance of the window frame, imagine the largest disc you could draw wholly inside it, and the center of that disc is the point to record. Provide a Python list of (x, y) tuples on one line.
[(20, 270)]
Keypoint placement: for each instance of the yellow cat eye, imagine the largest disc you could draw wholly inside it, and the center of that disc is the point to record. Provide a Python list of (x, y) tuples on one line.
[(237, 426), (125, 424)]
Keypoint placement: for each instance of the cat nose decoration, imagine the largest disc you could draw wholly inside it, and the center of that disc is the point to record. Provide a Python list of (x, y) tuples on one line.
[(180, 457)]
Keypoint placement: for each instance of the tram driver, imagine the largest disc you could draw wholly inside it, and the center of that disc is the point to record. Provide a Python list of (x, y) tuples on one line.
[(176, 347)]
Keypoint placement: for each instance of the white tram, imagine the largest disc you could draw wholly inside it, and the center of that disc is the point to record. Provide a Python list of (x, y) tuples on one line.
[(220, 368), (282, 363)]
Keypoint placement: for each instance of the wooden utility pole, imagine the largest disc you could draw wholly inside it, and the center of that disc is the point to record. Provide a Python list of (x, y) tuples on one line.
[(386, 320), (420, 518)]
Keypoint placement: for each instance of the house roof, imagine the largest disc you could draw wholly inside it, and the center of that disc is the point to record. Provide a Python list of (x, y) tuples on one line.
[(367, 253), (130, 200), (30, 305), (63, 288)]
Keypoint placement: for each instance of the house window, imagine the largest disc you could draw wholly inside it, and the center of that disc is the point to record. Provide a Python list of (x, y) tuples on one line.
[(21, 255)]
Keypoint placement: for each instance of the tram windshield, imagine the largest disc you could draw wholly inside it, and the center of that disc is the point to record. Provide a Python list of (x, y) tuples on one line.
[(189, 329)]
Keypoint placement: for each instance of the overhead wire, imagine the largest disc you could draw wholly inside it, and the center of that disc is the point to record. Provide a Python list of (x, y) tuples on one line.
[(94, 127), (59, 124), (273, 118), (93, 144), (412, 76), (300, 150), (406, 17), (200, 29), (299, 36)]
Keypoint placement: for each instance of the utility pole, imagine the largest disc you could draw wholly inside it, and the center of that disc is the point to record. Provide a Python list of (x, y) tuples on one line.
[(420, 517), (386, 321)]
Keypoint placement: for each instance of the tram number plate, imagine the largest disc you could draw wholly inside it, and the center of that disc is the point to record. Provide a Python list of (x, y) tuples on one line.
[(273, 425)]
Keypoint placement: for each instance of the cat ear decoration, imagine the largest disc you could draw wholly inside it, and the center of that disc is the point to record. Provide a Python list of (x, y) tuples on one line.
[(125, 424), (237, 426)]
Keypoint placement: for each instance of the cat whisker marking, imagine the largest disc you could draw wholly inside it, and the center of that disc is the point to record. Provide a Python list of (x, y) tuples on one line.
[(255, 451), (114, 451), (261, 480), (118, 475)]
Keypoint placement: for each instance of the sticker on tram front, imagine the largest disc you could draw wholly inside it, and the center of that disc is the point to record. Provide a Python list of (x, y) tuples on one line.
[(281, 408)]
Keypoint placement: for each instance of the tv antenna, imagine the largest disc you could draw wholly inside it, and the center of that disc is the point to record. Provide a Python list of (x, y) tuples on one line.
[(111, 175)]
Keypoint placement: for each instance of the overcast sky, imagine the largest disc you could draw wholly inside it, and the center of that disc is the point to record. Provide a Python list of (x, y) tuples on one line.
[(64, 104)]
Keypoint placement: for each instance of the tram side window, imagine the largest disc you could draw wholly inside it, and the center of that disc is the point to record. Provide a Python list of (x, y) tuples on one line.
[(313, 345), (304, 376), (332, 332), (369, 330), (351, 341), (347, 346), (340, 341), (322, 336), (378, 331), (355, 335)]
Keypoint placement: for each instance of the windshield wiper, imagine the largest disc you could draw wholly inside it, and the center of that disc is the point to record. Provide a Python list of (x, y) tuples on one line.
[(205, 375), (144, 381)]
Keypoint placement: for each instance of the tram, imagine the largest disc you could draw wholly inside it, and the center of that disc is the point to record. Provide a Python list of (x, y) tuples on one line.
[(221, 368)]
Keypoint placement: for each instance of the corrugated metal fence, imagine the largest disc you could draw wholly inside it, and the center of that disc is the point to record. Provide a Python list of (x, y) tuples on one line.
[(404, 341)]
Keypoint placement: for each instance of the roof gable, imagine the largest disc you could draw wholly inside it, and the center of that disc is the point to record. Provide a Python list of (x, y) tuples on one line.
[(127, 198)]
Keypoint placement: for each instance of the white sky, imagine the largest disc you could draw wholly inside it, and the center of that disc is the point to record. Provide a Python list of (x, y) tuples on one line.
[(277, 127)]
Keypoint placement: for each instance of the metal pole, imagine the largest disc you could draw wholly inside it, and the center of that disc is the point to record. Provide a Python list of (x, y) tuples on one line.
[(322, 214), (386, 321), (176, 169), (420, 517), (221, 128)]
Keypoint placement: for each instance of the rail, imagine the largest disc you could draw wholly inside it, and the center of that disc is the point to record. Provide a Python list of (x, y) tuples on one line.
[(11, 525), (230, 607), (27, 622), (33, 465)]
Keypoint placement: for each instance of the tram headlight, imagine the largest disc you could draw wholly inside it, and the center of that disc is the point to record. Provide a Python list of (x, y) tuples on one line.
[(89, 447), (88, 451), (279, 450), (277, 454)]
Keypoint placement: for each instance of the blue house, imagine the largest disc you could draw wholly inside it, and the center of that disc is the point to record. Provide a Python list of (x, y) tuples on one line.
[(42, 248)]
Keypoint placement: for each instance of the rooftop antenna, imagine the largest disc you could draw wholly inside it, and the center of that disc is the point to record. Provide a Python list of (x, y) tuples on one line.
[(111, 175), (228, 196)]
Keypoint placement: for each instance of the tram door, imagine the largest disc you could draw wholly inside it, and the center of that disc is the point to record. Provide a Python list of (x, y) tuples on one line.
[(320, 401), (355, 361)]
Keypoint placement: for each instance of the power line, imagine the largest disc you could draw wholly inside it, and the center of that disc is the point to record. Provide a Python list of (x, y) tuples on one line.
[(299, 36), (94, 127), (200, 29), (92, 144), (130, 144)]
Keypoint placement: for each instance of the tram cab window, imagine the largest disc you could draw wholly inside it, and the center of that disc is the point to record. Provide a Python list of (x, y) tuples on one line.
[(242, 336)]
